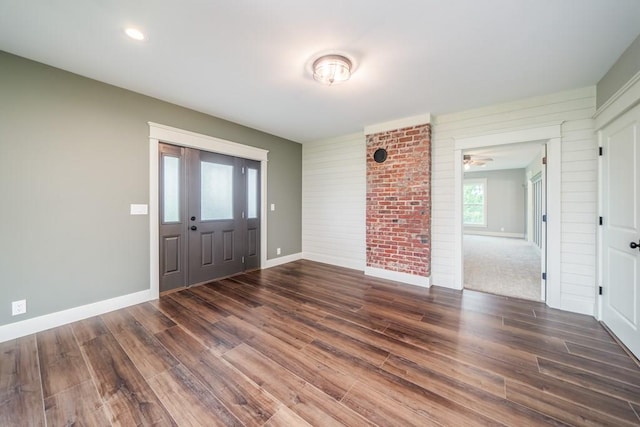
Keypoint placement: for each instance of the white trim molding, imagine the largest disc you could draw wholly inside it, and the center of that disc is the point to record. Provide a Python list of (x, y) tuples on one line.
[(274, 262), (541, 134), (493, 234), (396, 276), (52, 320), (627, 97), (186, 138), (549, 134), (421, 119), (160, 133), (334, 260)]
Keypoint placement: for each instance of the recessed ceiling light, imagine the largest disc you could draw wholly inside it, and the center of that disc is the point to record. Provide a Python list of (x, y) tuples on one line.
[(134, 33)]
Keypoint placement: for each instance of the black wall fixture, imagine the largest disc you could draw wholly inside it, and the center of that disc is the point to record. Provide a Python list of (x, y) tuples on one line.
[(380, 155)]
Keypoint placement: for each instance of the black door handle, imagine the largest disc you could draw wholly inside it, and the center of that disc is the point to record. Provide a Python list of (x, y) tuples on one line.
[(193, 218), (634, 245), (194, 228)]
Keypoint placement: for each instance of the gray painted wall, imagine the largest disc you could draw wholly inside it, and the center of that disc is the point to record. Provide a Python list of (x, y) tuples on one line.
[(627, 66), (73, 156), (505, 201)]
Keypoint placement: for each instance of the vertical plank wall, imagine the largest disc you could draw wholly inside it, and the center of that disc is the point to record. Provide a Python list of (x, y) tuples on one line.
[(578, 184), (334, 201), (334, 189)]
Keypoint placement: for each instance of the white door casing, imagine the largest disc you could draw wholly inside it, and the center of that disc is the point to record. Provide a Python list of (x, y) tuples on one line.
[(539, 218), (551, 135), (620, 206), (161, 133)]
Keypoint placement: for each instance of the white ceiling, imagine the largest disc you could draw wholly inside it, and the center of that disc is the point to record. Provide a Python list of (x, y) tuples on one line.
[(511, 156), (248, 61)]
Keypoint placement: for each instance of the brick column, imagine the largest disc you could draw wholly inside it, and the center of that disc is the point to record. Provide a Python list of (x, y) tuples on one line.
[(399, 201)]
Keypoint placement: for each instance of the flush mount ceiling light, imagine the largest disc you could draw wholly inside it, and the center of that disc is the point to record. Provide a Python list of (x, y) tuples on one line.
[(332, 69), (134, 33)]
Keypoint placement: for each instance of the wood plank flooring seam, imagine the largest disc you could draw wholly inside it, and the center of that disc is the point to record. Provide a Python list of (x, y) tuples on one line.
[(637, 412), (44, 410), (586, 414), (197, 338), (603, 384), (621, 344), (276, 347), (92, 377), (559, 398)]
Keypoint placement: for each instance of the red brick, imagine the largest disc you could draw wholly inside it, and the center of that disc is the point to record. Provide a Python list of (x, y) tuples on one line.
[(398, 201)]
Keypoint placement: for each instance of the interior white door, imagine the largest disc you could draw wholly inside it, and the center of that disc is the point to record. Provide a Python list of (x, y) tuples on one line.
[(621, 228)]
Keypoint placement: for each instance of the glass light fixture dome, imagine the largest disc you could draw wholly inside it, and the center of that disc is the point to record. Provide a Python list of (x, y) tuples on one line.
[(332, 69)]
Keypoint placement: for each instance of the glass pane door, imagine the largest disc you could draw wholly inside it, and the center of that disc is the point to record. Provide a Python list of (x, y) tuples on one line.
[(216, 191)]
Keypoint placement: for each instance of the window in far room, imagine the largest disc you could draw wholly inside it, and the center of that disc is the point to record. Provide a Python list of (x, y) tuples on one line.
[(474, 202)]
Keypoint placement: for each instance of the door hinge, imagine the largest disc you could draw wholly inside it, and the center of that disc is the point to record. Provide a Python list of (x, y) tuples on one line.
[(600, 221), (243, 170), (600, 151), (544, 218), (544, 160), (544, 276), (599, 290), (242, 214), (243, 260)]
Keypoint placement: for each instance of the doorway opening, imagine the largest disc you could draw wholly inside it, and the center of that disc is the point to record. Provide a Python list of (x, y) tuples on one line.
[(159, 133), (209, 216), (503, 213)]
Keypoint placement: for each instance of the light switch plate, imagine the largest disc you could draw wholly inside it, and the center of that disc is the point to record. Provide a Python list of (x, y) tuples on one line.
[(273, 206), (139, 209)]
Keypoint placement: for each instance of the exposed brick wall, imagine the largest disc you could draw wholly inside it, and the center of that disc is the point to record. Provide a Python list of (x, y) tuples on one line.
[(399, 201)]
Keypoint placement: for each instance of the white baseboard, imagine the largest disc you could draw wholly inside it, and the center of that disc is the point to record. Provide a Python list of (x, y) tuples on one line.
[(495, 234), (338, 261), (397, 276), (48, 321), (283, 260), (578, 305)]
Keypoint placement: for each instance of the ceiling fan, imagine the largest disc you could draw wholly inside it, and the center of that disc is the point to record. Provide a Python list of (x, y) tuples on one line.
[(469, 160)]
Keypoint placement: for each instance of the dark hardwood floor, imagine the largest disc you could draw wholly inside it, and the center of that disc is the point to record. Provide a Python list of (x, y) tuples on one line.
[(312, 344)]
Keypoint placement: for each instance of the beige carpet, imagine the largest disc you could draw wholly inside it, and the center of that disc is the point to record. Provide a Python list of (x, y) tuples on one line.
[(502, 266)]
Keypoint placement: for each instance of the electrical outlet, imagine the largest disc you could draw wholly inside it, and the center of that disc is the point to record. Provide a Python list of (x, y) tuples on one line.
[(18, 307), (278, 251)]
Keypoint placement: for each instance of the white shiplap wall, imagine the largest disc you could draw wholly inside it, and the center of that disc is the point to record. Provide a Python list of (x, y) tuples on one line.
[(574, 109), (334, 201)]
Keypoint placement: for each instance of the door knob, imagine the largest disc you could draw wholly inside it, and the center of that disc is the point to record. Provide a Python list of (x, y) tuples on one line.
[(194, 228), (634, 245), (193, 218)]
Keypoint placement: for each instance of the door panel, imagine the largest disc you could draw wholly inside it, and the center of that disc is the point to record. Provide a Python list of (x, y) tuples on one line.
[(206, 245), (621, 206), (215, 216), (173, 272), (253, 204), (228, 237), (624, 266), (252, 242), (172, 253)]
